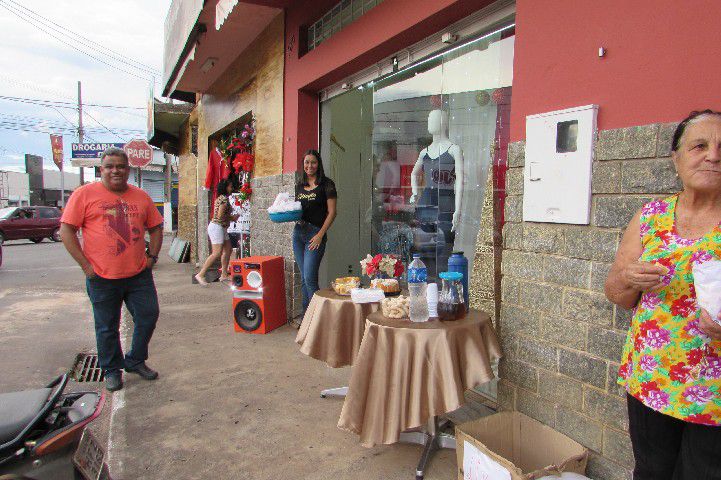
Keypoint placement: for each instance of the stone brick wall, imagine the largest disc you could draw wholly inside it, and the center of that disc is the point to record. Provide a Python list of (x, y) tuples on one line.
[(268, 238), (562, 339), (187, 187)]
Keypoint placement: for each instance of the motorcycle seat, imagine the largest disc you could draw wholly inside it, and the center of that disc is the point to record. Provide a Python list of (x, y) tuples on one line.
[(17, 410)]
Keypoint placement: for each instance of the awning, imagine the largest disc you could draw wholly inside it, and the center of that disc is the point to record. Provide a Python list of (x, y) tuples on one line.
[(167, 120), (197, 55), (222, 10)]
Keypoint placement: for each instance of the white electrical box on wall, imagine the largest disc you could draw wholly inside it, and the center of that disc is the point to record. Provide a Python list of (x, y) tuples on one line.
[(557, 172)]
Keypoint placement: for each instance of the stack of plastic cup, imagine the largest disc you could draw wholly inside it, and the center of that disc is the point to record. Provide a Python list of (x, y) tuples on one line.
[(432, 297)]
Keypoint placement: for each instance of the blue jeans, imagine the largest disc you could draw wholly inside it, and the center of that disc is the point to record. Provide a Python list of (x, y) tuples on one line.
[(107, 296), (308, 260)]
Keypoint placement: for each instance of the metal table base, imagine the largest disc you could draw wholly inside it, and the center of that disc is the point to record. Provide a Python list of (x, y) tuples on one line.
[(334, 392), (432, 439)]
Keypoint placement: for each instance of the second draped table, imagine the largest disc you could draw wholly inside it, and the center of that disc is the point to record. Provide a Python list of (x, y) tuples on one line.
[(332, 328)]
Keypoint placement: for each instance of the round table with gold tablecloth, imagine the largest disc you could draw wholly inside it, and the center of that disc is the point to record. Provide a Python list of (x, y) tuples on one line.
[(332, 328), (406, 374)]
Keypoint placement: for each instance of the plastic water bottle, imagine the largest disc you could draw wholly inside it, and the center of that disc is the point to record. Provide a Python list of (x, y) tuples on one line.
[(417, 276), (417, 271)]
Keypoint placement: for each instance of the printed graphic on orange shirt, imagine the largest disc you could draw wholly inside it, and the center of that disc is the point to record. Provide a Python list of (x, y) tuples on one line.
[(117, 215)]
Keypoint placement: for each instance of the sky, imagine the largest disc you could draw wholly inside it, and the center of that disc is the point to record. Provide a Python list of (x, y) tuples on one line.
[(35, 65)]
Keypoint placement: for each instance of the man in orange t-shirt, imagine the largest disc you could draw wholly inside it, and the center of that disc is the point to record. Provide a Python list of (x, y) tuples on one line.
[(114, 217)]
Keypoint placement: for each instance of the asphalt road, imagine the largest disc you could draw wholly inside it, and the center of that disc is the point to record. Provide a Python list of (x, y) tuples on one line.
[(45, 316)]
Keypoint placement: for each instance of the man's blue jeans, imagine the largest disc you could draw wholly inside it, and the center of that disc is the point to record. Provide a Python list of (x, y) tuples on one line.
[(308, 260), (107, 296)]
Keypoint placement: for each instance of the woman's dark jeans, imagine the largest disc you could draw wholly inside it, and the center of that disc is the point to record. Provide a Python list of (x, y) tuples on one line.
[(666, 448), (107, 297), (308, 260)]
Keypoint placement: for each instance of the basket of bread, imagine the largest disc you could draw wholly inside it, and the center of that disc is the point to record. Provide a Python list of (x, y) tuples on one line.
[(344, 285), (396, 307)]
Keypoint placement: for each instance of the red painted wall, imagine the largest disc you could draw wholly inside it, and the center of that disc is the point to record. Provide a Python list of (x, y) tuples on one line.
[(663, 59), (387, 28)]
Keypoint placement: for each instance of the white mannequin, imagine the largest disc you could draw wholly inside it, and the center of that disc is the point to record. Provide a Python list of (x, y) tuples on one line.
[(438, 127)]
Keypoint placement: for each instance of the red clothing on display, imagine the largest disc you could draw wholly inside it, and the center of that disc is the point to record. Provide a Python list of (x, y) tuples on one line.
[(217, 170)]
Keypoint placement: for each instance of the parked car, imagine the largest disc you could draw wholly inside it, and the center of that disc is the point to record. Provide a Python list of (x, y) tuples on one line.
[(33, 223)]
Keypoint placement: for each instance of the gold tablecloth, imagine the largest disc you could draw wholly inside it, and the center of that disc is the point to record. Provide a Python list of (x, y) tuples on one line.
[(406, 373), (332, 328)]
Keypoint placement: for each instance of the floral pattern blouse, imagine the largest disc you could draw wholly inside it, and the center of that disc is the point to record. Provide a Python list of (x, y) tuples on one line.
[(668, 363)]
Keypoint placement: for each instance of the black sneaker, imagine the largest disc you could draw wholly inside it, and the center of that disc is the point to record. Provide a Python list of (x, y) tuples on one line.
[(113, 381), (143, 370)]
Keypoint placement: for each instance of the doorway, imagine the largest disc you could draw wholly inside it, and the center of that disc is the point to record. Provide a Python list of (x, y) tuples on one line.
[(344, 128)]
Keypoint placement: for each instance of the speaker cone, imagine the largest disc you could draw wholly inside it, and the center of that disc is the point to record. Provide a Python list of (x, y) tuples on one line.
[(248, 315)]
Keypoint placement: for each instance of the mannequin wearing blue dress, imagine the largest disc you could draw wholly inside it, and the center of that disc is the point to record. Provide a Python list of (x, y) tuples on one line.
[(438, 201)]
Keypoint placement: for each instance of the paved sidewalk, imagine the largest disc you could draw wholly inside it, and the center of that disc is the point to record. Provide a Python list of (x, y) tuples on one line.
[(237, 406)]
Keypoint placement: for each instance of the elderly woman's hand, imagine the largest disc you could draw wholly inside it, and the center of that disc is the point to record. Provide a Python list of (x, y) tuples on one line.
[(709, 327), (644, 276)]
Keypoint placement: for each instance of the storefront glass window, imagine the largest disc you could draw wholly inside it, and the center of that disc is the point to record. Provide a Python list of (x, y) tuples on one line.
[(412, 156), (433, 145)]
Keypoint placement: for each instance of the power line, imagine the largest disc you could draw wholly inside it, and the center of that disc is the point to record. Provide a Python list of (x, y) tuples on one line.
[(64, 117), (7, 150), (54, 130), (45, 123), (61, 104), (34, 87), (43, 103), (40, 27), (98, 122), (55, 105), (15, 122), (38, 121), (74, 38), (30, 130), (71, 123), (90, 43)]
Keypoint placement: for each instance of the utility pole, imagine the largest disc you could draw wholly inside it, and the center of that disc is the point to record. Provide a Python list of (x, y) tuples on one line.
[(168, 206), (80, 127), (168, 176), (62, 180)]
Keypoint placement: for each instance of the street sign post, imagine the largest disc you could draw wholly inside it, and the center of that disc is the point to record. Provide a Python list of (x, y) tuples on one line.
[(139, 153)]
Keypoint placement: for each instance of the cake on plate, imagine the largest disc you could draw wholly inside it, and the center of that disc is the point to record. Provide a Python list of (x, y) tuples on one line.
[(388, 285)]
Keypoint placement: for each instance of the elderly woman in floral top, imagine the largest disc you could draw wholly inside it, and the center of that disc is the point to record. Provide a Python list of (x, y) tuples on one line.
[(671, 363)]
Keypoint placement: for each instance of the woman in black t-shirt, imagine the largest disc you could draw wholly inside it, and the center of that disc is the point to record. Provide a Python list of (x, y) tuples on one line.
[(317, 195)]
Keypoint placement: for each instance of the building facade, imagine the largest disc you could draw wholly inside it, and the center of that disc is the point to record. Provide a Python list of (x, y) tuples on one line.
[(420, 110), (14, 189), (53, 186)]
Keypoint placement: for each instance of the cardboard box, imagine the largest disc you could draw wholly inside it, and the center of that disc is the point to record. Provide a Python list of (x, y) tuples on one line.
[(513, 446)]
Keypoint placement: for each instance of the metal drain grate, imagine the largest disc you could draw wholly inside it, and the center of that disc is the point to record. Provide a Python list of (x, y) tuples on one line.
[(87, 368)]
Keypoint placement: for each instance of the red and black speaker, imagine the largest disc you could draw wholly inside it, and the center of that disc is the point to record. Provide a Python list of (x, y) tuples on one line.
[(258, 294)]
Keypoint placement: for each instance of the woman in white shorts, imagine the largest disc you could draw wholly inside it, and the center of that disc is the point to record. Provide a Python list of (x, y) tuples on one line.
[(218, 233)]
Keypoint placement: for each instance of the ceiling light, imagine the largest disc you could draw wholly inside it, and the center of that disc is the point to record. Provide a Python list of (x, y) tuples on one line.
[(208, 64)]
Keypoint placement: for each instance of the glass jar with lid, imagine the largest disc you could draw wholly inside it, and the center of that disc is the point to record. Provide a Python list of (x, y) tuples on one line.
[(451, 304)]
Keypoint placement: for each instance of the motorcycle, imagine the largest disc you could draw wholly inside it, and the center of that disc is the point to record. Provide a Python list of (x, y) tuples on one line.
[(41, 429)]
